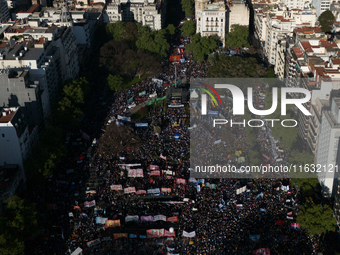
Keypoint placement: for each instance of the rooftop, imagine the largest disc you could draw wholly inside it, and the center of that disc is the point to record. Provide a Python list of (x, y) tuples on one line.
[(7, 114)]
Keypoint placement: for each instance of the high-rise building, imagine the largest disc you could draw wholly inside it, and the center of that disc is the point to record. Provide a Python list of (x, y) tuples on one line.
[(328, 152)]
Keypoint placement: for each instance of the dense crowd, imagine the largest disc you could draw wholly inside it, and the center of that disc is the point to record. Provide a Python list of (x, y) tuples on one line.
[(223, 216)]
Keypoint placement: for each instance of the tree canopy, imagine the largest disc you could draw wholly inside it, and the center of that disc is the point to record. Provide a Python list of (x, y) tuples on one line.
[(17, 221), (188, 6), (326, 20), (236, 67), (316, 219), (238, 36), (115, 82), (200, 47), (188, 28)]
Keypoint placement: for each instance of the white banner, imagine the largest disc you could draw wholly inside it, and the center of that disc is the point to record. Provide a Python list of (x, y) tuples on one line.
[(129, 190), (90, 203), (116, 187), (124, 118), (131, 218), (159, 217), (189, 234), (101, 220), (135, 173)]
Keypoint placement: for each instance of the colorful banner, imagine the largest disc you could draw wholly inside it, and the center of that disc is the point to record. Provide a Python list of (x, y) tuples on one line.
[(154, 233), (120, 235), (135, 173), (172, 219), (129, 218), (180, 181), (141, 124), (129, 190), (189, 234), (90, 203), (167, 233), (153, 191), (159, 217), (146, 218), (141, 191), (155, 173), (101, 220), (116, 187), (153, 167), (165, 190), (112, 223)]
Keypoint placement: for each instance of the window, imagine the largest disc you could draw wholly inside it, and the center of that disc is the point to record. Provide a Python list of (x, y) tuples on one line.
[(199, 19), (221, 20), (3, 135), (28, 94)]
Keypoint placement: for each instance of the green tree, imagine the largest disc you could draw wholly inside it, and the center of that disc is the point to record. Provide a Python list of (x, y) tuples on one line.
[(70, 106), (238, 36), (153, 42), (316, 219), (170, 29), (188, 7), (115, 82), (116, 30), (326, 20), (270, 73), (236, 67), (212, 59), (200, 47), (303, 157), (188, 28), (112, 56), (18, 221)]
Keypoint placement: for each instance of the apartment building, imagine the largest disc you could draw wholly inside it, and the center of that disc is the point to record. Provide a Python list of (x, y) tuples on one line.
[(211, 18), (16, 138), (148, 12)]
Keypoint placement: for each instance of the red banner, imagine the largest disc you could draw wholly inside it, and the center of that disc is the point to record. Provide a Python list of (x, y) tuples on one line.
[(167, 233), (155, 233), (172, 219), (155, 173), (175, 58), (141, 191)]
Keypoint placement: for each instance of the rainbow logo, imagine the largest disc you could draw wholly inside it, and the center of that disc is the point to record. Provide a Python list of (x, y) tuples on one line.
[(209, 93)]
